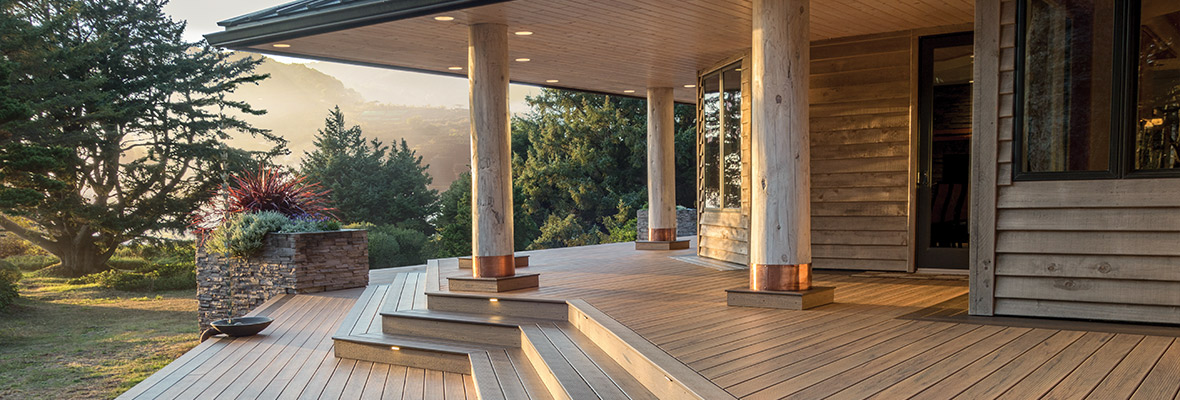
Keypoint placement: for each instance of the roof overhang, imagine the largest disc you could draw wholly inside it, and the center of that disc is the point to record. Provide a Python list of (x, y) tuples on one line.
[(610, 46)]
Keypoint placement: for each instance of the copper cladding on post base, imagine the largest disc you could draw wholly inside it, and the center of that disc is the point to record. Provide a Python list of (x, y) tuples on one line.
[(780, 277), (661, 234), (493, 266)]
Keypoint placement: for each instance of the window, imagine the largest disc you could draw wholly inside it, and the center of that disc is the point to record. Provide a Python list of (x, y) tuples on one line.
[(721, 138), (1099, 89)]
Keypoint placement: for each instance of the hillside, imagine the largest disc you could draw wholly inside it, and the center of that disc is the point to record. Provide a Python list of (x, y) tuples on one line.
[(297, 99)]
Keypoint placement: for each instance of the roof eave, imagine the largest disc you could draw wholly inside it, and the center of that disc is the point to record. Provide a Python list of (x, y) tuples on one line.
[(315, 22)]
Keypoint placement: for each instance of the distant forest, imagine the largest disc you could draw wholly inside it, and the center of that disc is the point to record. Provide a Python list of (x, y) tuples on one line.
[(296, 98)]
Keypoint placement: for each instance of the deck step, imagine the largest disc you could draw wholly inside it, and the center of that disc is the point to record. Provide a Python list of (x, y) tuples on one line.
[(409, 351), (476, 328), (490, 304), (576, 369)]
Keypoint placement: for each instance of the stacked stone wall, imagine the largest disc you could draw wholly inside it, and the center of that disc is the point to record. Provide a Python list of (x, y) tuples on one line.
[(289, 263), (686, 223)]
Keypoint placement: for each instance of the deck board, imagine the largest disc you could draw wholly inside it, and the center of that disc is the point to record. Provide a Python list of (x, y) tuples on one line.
[(874, 341)]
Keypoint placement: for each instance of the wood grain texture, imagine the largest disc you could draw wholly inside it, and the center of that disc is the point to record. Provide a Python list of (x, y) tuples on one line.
[(780, 220), (983, 158), (661, 159), (491, 156)]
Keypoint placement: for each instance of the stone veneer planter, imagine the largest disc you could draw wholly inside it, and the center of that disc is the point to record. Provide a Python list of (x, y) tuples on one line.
[(686, 223), (289, 263)]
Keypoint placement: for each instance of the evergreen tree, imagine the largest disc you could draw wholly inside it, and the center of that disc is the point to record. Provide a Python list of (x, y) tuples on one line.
[(370, 181), (124, 126)]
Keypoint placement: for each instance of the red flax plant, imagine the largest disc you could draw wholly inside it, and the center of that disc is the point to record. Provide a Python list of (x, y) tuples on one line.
[(266, 190)]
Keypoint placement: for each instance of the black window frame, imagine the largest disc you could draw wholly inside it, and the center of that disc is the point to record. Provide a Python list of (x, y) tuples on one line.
[(1124, 102)]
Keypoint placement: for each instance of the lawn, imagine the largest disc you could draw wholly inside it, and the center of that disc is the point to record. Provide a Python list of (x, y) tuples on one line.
[(62, 341)]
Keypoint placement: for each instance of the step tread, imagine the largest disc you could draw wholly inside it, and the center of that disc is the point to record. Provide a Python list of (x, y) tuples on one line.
[(357, 313), (621, 377), (416, 342), (560, 372), (517, 378), (482, 319), (586, 368)]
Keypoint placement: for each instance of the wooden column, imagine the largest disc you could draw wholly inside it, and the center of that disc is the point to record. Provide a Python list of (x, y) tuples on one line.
[(491, 156), (661, 165), (780, 212)]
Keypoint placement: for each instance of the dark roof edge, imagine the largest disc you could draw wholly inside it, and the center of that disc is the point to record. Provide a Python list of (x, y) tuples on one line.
[(332, 19)]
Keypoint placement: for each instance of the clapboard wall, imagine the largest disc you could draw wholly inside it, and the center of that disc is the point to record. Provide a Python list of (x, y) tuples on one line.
[(1096, 249), (860, 159)]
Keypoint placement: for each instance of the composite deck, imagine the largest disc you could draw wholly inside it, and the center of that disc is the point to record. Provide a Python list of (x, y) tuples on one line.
[(293, 359), (885, 337)]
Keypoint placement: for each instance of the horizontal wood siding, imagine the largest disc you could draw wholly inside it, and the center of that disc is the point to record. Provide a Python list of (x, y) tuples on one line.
[(860, 159), (860, 152), (1098, 249), (1089, 249)]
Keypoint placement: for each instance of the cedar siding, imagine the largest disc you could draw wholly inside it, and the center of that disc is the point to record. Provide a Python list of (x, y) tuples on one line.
[(1093, 249), (860, 159)]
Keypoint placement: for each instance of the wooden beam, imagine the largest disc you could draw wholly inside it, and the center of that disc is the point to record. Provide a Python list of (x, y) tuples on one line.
[(780, 159), (983, 158), (491, 157)]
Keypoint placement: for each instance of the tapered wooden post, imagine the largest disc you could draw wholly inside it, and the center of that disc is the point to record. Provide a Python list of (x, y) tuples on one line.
[(780, 212), (491, 157)]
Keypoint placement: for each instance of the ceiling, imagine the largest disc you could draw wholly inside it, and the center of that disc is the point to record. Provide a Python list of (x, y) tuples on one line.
[(610, 46)]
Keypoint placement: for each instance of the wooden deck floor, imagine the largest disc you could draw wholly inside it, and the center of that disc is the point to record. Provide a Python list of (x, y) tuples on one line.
[(866, 345), (859, 347), (293, 358)]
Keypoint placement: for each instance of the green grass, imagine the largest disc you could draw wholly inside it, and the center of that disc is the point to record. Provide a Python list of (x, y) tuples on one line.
[(62, 341)]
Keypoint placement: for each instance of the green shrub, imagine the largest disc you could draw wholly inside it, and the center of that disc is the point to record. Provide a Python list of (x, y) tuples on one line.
[(157, 250), (9, 272), (12, 245), (163, 277), (243, 235), (8, 293), (32, 262), (620, 227), (391, 246), (566, 232), (128, 263)]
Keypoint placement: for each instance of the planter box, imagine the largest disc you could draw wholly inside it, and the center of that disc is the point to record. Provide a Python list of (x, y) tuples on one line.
[(289, 263), (686, 223)]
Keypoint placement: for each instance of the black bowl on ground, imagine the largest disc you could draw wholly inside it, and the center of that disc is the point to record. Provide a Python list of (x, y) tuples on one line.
[(239, 327)]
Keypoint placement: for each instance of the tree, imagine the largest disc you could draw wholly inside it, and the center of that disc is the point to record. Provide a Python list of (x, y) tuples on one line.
[(585, 155), (369, 181), (129, 119)]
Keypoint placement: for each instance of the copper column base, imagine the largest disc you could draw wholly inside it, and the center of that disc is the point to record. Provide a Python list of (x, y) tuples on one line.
[(493, 266), (661, 234), (781, 277)]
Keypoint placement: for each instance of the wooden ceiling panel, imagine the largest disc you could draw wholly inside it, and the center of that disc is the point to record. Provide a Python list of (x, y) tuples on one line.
[(610, 45)]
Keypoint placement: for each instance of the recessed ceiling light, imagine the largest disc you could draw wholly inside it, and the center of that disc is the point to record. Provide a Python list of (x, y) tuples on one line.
[(523, 33), (444, 18), (551, 81), (523, 60), (455, 68), (628, 91), (281, 45), (690, 86)]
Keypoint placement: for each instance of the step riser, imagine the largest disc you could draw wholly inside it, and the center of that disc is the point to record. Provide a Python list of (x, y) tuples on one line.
[(507, 336), (502, 307), (447, 362)]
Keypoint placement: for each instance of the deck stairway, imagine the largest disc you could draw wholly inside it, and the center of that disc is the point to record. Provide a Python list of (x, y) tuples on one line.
[(514, 348)]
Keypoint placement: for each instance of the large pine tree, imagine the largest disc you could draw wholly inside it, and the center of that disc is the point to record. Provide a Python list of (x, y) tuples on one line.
[(370, 181), (121, 128)]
